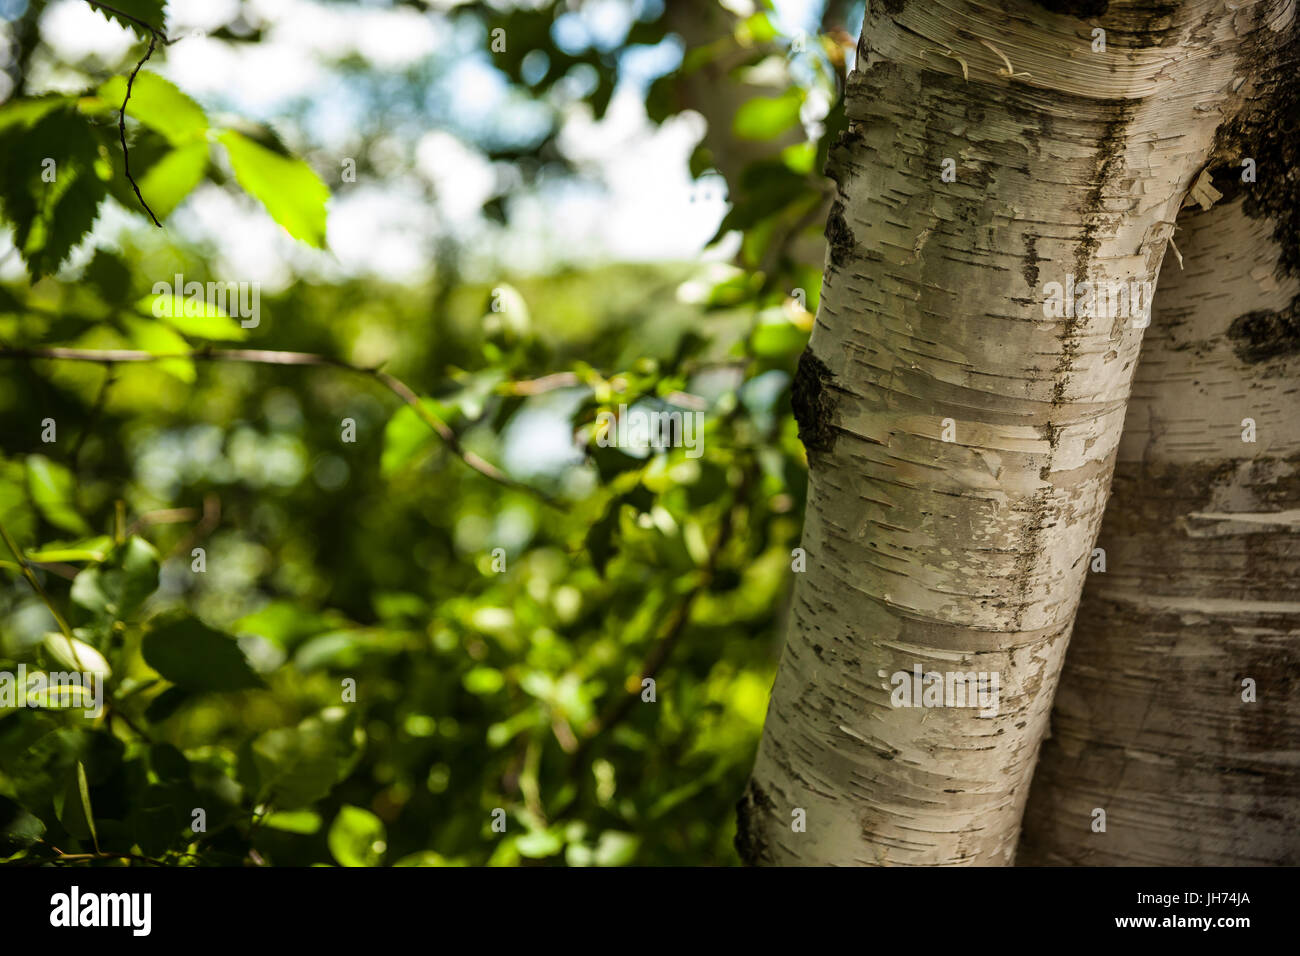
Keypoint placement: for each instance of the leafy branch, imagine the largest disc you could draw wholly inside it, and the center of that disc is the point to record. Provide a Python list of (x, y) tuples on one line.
[(271, 357)]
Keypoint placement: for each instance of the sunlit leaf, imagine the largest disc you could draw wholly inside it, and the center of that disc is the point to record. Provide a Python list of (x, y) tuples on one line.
[(168, 181), (76, 655), (159, 339), (356, 837), (193, 316), (290, 190), (160, 105)]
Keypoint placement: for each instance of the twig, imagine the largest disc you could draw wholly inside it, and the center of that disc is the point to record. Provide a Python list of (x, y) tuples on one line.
[(164, 516), (271, 357), (156, 35), (539, 386), (207, 524), (36, 585), (121, 125)]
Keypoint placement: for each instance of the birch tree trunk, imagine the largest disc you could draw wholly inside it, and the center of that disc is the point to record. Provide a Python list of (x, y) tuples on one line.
[(961, 440), (1201, 594)]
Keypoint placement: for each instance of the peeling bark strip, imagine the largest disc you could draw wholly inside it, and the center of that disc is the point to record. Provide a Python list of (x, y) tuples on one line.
[(949, 525), (1202, 590)]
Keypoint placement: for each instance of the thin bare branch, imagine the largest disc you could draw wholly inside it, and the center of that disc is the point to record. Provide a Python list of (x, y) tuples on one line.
[(121, 126), (310, 359)]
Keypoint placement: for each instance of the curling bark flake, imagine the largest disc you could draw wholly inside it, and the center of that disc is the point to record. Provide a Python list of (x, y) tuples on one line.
[(969, 555), (1152, 722)]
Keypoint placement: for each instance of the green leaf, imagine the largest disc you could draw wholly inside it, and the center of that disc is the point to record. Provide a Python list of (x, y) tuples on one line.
[(50, 184), (168, 181), (334, 649), (18, 827), (292, 193), (192, 655), (296, 766), (88, 549), (74, 808), (117, 588), (800, 157), (779, 339), (537, 844), (615, 848), (766, 117), (166, 704), (159, 339), (24, 114), (294, 821), (193, 315), (760, 28), (149, 11), (52, 491), (406, 436), (357, 837), (169, 762), (76, 655), (160, 816), (158, 104)]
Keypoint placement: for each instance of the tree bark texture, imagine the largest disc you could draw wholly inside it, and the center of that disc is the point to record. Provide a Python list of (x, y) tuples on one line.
[(1202, 589), (960, 440)]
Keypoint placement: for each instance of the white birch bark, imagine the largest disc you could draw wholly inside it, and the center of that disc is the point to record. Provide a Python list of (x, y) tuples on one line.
[(1153, 723), (970, 554)]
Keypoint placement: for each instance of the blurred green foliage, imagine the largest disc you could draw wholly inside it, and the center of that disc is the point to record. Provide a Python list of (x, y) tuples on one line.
[(364, 652)]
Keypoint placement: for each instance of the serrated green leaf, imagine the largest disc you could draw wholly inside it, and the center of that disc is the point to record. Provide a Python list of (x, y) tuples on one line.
[(50, 184), (160, 105), (148, 11), (292, 193)]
